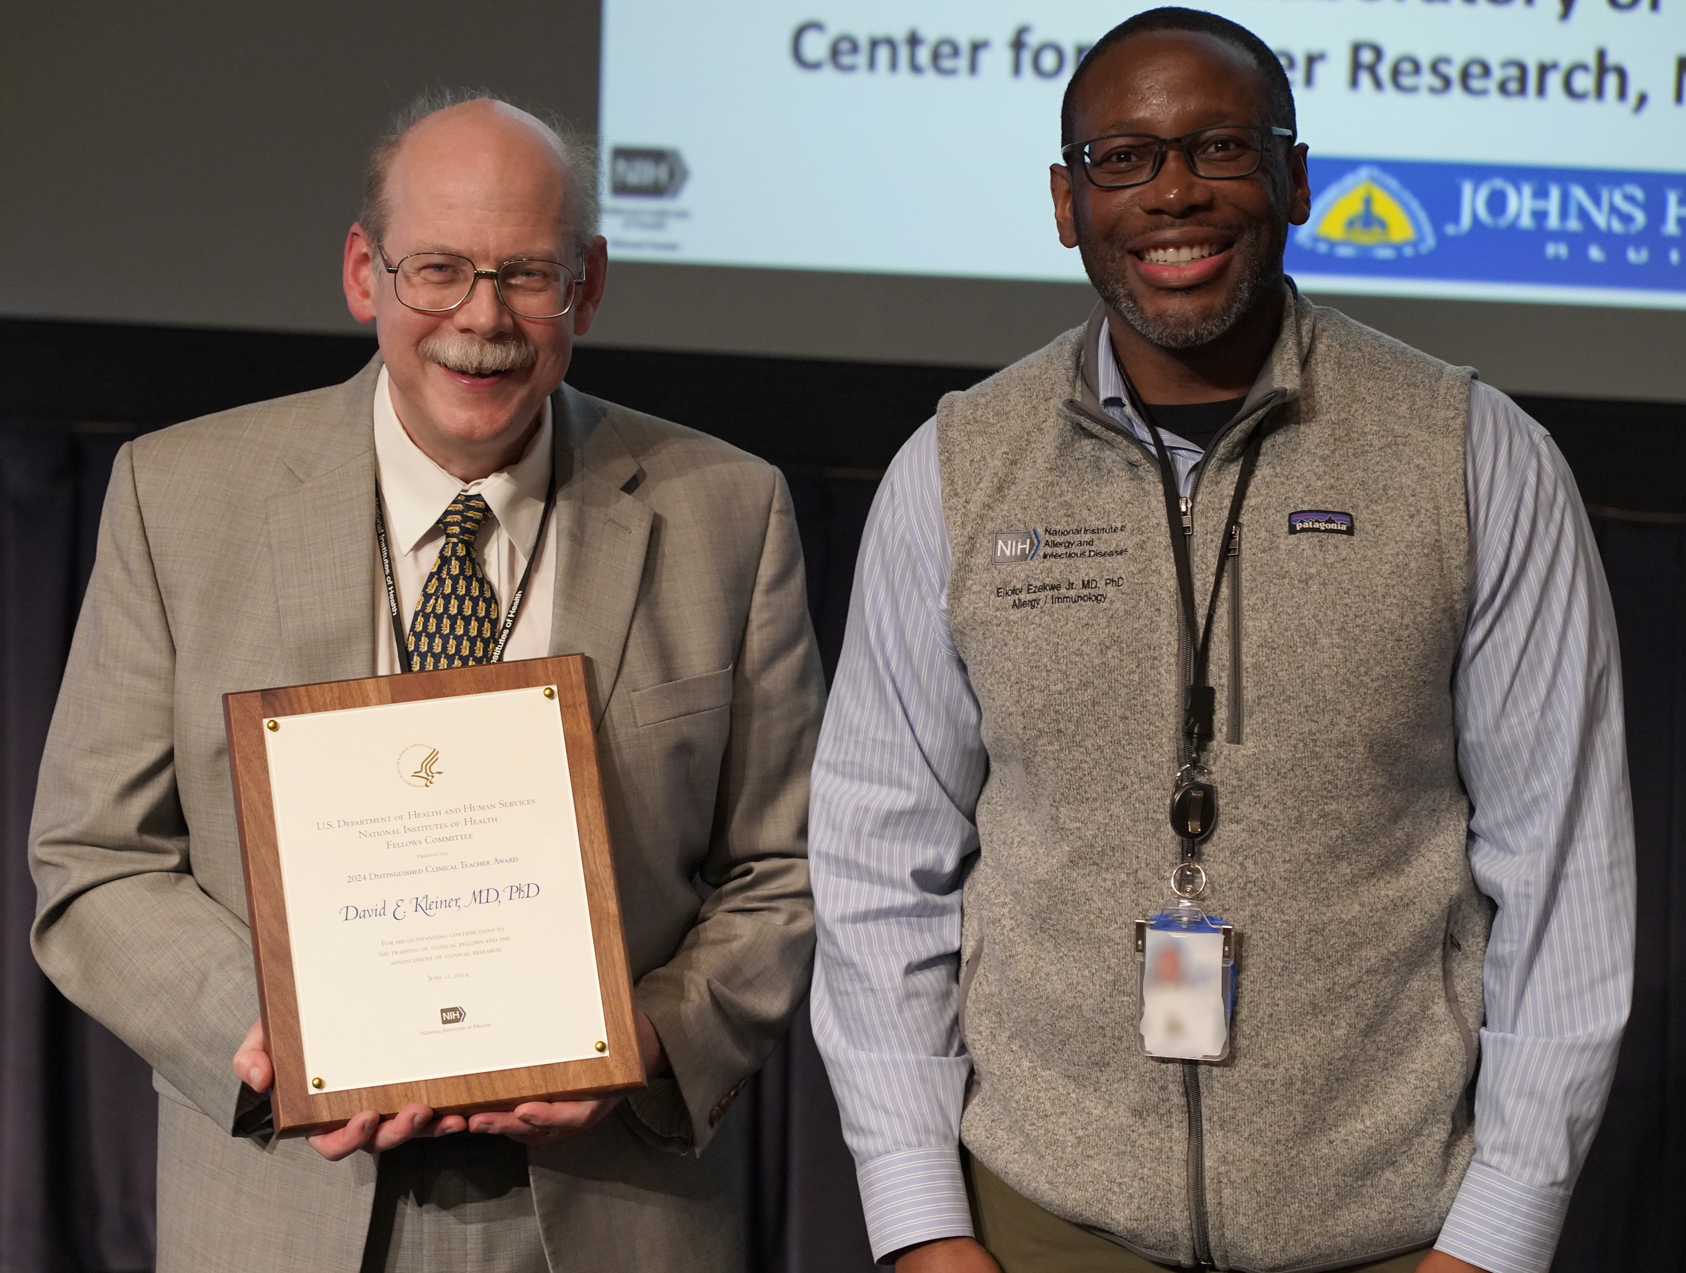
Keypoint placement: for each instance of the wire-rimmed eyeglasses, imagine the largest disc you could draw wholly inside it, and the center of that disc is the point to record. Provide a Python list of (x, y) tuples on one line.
[(1218, 153), (438, 282)]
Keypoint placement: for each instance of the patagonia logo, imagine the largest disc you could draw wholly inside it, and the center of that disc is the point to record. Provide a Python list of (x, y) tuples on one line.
[(1315, 521), (1017, 545)]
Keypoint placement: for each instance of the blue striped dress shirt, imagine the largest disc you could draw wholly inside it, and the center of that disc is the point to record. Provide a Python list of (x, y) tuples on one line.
[(1540, 749)]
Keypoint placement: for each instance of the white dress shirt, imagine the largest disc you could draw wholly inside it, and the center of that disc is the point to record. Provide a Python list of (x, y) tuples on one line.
[(414, 495)]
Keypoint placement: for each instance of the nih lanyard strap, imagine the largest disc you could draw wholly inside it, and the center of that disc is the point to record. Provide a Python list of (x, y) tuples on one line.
[(510, 612)]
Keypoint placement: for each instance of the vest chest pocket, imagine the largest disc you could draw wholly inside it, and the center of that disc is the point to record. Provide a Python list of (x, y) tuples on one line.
[(1346, 621)]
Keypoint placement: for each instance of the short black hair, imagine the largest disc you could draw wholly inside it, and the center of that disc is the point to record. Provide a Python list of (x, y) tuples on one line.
[(1279, 94)]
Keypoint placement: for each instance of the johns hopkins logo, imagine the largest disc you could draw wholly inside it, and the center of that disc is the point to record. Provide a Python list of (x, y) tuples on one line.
[(1367, 213), (1017, 545)]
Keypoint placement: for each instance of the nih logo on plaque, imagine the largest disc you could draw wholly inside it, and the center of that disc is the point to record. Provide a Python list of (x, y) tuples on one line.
[(452, 1016), (1017, 546)]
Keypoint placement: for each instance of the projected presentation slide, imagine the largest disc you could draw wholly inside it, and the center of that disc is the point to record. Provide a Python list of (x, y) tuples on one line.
[(1527, 150)]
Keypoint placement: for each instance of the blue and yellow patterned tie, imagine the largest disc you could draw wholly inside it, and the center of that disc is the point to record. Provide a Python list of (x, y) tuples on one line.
[(456, 621)]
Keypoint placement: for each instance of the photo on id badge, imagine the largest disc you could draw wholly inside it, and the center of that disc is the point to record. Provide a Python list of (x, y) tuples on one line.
[(1186, 989)]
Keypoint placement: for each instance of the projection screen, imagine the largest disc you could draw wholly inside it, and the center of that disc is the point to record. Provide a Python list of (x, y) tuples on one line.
[(1524, 152), (1499, 183)]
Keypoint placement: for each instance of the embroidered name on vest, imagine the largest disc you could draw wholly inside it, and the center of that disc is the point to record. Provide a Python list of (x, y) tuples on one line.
[(1314, 521), (1017, 545)]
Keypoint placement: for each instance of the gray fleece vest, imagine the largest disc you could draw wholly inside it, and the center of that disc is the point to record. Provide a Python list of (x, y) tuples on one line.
[(1340, 1127)]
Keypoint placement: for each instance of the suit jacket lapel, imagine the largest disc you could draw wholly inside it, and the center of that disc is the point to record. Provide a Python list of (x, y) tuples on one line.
[(602, 534), (322, 537)]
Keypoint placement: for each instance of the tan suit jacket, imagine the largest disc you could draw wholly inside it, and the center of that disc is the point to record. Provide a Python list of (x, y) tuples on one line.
[(237, 552)]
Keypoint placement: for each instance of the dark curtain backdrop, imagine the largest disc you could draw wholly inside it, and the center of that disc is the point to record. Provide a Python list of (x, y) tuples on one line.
[(76, 1107)]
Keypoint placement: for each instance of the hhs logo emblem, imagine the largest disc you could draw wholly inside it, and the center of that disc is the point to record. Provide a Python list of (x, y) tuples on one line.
[(1017, 546), (1367, 213)]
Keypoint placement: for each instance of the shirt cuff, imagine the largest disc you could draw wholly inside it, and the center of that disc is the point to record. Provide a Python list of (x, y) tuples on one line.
[(914, 1195), (1503, 1225)]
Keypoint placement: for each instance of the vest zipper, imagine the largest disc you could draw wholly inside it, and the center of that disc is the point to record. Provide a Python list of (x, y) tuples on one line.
[(1197, 1165), (1191, 1069), (1197, 1213), (1236, 696)]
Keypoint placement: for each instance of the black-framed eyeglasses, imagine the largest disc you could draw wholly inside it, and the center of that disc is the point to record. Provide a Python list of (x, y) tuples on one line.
[(438, 282), (1133, 159)]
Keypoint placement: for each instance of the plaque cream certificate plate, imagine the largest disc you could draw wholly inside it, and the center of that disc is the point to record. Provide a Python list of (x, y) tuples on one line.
[(432, 899)]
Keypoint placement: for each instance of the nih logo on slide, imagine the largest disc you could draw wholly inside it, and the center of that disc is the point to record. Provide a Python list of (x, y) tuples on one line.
[(1544, 232)]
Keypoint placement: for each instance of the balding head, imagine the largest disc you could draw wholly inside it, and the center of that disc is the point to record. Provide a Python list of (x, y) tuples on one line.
[(475, 183), (463, 125)]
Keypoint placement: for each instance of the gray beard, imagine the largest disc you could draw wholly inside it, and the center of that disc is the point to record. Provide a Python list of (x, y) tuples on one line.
[(1261, 276)]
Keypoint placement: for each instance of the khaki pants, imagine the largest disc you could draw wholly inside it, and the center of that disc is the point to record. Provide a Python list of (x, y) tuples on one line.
[(1024, 1238)]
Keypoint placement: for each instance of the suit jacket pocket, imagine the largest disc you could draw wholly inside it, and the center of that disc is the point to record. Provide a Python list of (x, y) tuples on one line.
[(683, 697)]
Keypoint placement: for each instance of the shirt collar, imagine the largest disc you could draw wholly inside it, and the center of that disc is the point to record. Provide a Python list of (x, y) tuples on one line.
[(1109, 387), (417, 491)]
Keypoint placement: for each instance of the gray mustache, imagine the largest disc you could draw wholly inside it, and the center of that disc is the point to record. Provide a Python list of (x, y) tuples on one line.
[(474, 356)]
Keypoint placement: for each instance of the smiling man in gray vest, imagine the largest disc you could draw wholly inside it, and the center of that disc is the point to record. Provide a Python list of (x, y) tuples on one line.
[(1220, 547)]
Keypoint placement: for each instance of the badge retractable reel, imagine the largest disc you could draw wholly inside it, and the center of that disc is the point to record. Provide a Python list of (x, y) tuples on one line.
[(1186, 957)]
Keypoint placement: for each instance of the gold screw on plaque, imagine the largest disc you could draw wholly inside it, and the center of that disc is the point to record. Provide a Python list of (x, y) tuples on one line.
[(272, 725), (602, 1046), (316, 1082), (550, 691)]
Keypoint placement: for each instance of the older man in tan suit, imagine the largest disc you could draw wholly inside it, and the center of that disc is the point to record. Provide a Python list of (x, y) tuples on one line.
[(239, 551)]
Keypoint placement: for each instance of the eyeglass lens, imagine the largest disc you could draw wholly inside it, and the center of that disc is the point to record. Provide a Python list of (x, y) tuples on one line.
[(1213, 153), (436, 281)]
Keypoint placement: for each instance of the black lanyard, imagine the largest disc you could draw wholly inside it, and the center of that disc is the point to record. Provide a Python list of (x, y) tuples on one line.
[(1200, 701), (511, 611), (1194, 807)]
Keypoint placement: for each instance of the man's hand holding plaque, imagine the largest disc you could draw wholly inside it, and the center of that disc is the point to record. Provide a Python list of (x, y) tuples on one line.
[(531, 1123)]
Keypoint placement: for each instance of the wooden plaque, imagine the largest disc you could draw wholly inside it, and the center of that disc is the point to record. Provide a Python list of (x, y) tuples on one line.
[(443, 846)]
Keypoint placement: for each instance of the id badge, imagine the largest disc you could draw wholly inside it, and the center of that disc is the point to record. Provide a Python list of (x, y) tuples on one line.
[(1186, 982)]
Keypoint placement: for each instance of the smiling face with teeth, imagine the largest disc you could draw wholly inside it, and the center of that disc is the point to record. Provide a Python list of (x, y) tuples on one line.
[(1188, 266)]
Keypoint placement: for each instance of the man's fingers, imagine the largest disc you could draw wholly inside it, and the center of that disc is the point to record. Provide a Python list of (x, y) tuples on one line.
[(495, 1122), (368, 1131), (539, 1122), (407, 1122), (252, 1065), (498, 1123), (347, 1140)]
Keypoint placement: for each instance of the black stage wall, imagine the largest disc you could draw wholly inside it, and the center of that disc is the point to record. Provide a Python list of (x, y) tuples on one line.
[(76, 1108)]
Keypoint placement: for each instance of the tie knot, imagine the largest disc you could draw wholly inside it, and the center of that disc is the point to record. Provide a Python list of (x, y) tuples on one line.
[(463, 518)]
